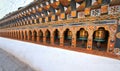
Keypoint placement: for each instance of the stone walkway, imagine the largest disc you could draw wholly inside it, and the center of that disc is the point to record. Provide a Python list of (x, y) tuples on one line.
[(10, 63)]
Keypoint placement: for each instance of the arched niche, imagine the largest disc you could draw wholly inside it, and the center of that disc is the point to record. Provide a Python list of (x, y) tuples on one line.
[(81, 38), (100, 39), (67, 37)]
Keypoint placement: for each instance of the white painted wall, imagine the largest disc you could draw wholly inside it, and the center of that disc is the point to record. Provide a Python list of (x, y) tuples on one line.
[(45, 58)]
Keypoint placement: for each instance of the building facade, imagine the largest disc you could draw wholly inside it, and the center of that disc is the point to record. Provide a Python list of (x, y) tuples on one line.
[(86, 24)]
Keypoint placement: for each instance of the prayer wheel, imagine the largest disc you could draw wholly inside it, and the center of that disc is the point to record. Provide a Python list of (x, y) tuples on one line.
[(57, 36), (83, 35), (35, 34), (41, 34), (99, 36), (69, 35), (47, 34)]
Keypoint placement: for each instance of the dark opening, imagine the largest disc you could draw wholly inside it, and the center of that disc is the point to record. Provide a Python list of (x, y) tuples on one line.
[(41, 36), (67, 37), (100, 39), (56, 37), (22, 35), (35, 35), (81, 38), (30, 35), (48, 36), (26, 36)]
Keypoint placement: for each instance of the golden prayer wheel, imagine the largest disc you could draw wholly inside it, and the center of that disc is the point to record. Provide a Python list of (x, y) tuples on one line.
[(100, 35), (41, 34), (57, 36), (83, 34), (69, 34), (47, 34), (34, 33)]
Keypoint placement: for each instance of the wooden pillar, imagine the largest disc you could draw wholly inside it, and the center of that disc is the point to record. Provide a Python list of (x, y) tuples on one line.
[(44, 38), (89, 44), (13, 35), (27, 34), (10, 34), (61, 39), (90, 40), (21, 36), (74, 41), (29, 37), (33, 36), (109, 48), (24, 35), (18, 35), (52, 39), (38, 37), (7, 34), (4, 34), (111, 43)]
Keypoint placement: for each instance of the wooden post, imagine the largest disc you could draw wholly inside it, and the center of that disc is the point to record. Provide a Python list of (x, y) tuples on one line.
[(38, 37), (90, 40), (52, 40), (74, 41), (61, 40), (44, 38)]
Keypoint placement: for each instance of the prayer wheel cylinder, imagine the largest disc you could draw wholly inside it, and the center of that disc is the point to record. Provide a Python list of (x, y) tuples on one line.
[(83, 34), (100, 35), (69, 34)]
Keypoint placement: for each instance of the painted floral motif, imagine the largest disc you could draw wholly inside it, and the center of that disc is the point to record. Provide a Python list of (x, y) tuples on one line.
[(95, 12), (114, 9)]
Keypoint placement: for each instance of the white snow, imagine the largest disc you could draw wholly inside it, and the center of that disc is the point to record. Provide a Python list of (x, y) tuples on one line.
[(45, 58)]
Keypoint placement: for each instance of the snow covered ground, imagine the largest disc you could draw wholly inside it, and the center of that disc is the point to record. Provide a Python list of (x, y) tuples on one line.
[(45, 58)]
